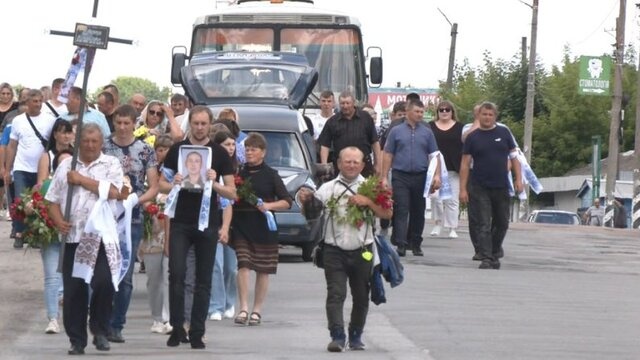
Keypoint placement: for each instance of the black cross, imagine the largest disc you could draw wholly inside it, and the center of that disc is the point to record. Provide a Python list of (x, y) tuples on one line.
[(91, 51)]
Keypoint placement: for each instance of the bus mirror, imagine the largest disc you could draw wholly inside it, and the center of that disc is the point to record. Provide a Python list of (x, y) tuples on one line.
[(178, 61), (375, 70)]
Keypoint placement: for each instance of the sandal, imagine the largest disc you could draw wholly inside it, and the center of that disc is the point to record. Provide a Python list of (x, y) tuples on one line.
[(242, 317), (255, 319)]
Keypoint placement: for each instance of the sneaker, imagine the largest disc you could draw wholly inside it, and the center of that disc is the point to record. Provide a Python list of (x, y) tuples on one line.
[(488, 264), (52, 327), (216, 316), (435, 231), (158, 328), (355, 340), (229, 313), (18, 243), (336, 345), (142, 269), (167, 328), (453, 234)]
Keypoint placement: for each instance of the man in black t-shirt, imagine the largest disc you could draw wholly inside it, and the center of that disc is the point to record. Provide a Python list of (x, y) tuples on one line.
[(488, 193), (351, 127), (184, 229)]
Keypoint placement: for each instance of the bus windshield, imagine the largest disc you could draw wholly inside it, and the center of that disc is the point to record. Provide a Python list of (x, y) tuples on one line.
[(335, 52)]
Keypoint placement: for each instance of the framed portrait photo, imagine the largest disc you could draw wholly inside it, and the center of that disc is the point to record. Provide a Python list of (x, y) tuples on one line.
[(193, 163)]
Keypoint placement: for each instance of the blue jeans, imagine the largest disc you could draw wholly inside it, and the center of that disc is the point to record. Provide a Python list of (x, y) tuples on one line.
[(23, 180), (224, 285), (122, 298), (52, 278)]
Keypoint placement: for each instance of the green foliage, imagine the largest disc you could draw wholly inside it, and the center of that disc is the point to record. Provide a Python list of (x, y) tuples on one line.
[(564, 121), (129, 85)]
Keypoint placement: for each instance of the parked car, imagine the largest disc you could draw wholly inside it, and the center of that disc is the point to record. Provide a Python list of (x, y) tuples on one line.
[(266, 89), (554, 217)]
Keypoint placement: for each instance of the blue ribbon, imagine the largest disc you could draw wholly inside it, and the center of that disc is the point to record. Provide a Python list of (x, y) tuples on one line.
[(271, 219), (203, 219)]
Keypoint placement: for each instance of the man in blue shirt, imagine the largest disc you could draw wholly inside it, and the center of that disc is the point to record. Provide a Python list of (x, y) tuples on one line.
[(408, 149), (488, 191)]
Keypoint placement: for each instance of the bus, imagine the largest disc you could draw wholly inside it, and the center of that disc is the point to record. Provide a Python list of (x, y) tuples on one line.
[(330, 40)]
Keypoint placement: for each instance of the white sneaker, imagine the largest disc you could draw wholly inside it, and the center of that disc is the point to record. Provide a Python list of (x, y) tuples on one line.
[(216, 316), (167, 328), (158, 328), (435, 231), (52, 327), (229, 313), (453, 234)]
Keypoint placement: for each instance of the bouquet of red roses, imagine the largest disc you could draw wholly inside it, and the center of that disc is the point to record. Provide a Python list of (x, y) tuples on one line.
[(32, 209), (151, 212), (359, 215), (244, 190)]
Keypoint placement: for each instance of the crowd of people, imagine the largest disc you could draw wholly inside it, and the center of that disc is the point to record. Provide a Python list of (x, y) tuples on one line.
[(191, 196)]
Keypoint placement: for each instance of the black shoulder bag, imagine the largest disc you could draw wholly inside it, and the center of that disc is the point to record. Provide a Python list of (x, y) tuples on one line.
[(44, 142)]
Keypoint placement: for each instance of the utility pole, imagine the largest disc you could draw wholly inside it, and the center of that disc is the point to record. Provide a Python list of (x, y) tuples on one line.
[(635, 204), (531, 93), (452, 51), (524, 51), (531, 83), (616, 105)]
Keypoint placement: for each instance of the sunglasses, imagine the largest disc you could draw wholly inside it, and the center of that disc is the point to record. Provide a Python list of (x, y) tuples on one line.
[(154, 113), (444, 110)]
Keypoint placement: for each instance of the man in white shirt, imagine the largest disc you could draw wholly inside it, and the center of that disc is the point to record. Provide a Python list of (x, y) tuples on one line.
[(53, 105), (327, 104), (345, 250), (29, 135)]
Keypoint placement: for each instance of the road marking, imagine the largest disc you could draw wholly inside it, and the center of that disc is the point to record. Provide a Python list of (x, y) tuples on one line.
[(383, 334)]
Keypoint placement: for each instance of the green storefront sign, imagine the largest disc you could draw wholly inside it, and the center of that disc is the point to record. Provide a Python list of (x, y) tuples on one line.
[(595, 73)]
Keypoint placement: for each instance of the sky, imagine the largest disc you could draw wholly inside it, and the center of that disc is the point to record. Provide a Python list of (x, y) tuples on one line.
[(413, 34)]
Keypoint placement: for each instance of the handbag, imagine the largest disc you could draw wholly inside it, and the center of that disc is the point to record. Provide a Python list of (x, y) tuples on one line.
[(317, 255)]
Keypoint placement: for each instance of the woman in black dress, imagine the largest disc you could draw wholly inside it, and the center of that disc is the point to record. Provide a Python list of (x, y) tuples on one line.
[(256, 246)]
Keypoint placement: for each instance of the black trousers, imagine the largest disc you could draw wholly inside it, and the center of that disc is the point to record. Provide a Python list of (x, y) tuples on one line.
[(204, 242), (408, 207), (488, 218), (76, 298), (341, 266)]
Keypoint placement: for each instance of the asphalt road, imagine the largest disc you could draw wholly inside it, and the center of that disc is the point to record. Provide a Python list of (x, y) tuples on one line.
[(562, 293)]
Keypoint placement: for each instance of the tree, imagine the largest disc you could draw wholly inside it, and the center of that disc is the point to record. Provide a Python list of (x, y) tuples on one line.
[(129, 85)]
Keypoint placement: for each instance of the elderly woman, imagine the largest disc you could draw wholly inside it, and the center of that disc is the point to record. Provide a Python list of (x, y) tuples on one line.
[(255, 244), (157, 119)]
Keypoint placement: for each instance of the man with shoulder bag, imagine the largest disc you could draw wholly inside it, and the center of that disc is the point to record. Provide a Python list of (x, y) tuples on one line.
[(347, 249), (28, 140)]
